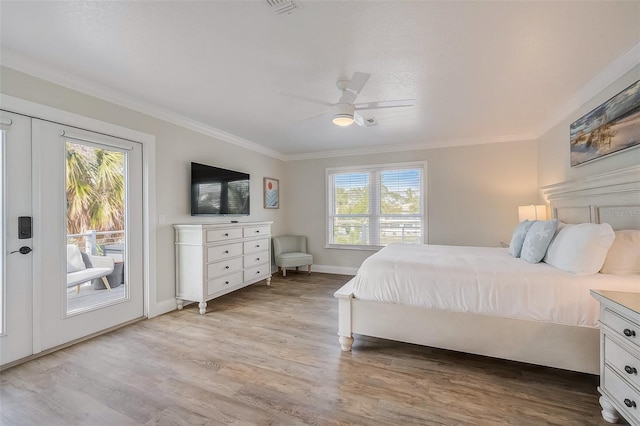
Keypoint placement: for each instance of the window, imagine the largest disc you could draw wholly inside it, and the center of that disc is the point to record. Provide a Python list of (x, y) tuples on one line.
[(373, 206)]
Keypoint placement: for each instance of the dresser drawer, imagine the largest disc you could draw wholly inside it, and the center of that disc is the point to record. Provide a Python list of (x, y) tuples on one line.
[(627, 365), (255, 259), (215, 253), (256, 272), (223, 234), (220, 284), (622, 327), (255, 231), (226, 266), (623, 394), (256, 245)]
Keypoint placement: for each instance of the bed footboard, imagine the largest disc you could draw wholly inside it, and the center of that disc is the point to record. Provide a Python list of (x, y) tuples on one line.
[(552, 345)]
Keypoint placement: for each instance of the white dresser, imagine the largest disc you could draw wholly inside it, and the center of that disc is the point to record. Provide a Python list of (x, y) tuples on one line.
[(619, 355), (215, 259)]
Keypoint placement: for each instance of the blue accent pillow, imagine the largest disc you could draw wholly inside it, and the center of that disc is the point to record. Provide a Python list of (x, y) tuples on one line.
[(537, 240), (517, 239)]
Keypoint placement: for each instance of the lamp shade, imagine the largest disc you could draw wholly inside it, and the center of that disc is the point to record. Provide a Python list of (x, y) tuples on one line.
[(532, 212)]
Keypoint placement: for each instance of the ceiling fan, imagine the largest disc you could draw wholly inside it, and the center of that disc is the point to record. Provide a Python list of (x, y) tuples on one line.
[(345, 112)]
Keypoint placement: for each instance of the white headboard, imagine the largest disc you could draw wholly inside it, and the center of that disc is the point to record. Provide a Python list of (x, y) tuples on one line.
[(612, 197)]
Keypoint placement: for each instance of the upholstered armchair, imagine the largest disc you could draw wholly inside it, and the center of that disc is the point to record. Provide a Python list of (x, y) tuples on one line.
[(291, 251)]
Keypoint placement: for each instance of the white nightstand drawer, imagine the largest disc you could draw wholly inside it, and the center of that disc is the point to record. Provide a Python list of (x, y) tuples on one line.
[(256, 272), (225, 267), (254, 259), (622, 326), (623, 394), (223, 234), (627, 365), (256, 231), (256, 246), (223, 252), (223, 283)]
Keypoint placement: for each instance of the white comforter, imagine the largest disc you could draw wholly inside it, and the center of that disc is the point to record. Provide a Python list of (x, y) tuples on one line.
[(483, 280)]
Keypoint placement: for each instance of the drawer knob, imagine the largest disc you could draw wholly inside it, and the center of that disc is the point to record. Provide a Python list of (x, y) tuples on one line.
[(630, 370), (257, 258), (257, 245), (257, 272), (226, 252), (226, 235), (258, 231), (629, 333), (226, 267), (226, 282), (629, 403)]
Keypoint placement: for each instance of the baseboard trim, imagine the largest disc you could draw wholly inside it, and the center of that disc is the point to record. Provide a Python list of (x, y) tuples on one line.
[(163, 307), (329, 269)]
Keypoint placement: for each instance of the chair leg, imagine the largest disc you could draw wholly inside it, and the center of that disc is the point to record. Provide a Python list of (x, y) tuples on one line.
[(78, 288), (297, 268), (309, 269), (284, 271), (106, 283)]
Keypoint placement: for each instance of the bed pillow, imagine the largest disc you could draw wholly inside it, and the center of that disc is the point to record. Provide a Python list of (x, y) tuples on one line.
[(74, 259), (580, 249), (517, 239), (624, 255), (538, 239)]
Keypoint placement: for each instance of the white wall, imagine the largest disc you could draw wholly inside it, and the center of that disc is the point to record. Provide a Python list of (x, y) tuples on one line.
[(176, 147), (553, 147), (473, 195)]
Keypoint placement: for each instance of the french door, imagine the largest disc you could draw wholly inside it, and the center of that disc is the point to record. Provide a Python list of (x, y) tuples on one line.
[(16, 306), (83, 191), (88, 200)]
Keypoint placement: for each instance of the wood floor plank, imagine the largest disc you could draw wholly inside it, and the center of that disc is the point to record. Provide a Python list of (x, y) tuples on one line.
[(268, 355)]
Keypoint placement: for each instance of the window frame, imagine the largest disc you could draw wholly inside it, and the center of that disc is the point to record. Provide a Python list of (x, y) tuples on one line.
[(374, 201)]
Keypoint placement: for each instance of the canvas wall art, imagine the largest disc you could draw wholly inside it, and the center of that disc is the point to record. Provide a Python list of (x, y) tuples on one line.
[(271, 193), (612, 127)]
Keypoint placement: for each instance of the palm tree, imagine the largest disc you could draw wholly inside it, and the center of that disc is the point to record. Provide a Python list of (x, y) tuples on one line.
[(95, 189)]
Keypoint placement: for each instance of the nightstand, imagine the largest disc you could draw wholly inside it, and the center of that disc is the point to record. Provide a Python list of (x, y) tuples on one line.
[(619, 355)]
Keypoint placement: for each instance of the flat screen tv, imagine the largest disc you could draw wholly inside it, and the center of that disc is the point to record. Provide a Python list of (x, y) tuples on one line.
[(216, 191)]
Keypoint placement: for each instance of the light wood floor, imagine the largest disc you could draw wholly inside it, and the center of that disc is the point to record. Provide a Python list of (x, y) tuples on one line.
[(270, 356)]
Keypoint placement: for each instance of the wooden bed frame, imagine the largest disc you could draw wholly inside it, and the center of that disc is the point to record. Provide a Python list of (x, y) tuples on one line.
[(612, 197)]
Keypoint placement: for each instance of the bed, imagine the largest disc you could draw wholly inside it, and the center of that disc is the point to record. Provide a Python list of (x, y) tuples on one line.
[(483, 301)]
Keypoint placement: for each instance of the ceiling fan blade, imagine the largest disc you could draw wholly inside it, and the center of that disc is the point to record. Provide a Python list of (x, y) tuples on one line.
[(354, 88), (358, 119), (386, 104), (304, 98), (312, 116)]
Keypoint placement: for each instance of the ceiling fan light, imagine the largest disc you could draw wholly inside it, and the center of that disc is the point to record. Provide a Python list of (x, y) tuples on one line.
[(343, 120)]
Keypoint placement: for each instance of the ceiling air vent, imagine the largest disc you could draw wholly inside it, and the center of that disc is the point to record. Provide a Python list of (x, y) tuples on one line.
[(370, 122), (282, 7)]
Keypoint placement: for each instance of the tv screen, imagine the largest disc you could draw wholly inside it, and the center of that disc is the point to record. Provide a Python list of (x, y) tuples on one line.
[(216, 191)]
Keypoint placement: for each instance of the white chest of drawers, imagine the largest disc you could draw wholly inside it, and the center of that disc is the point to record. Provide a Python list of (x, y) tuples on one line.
[(619, 355), (215, 259)]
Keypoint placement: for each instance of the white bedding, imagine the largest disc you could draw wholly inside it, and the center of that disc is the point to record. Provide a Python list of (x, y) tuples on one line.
[(483, 280)]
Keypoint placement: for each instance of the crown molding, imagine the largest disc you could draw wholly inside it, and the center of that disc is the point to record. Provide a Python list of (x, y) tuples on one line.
[(610, 74), (443, 143), (616, 69), (18, 62)]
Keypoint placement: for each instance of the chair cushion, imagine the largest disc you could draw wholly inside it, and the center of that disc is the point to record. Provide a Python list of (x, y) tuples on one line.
[(293, 259), (79, 277), (74, 259)]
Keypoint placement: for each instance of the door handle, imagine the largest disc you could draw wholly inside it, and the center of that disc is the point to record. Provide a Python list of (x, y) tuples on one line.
[(22, 250)]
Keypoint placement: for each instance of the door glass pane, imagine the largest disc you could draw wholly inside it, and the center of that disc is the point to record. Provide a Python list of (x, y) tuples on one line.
[(95, 192)]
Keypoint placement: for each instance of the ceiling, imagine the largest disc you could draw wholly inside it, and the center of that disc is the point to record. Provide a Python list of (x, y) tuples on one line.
[(479, 71)]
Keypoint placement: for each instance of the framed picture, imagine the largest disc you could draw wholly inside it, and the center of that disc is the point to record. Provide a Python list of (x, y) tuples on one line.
[(611, 127), (271, 193)]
